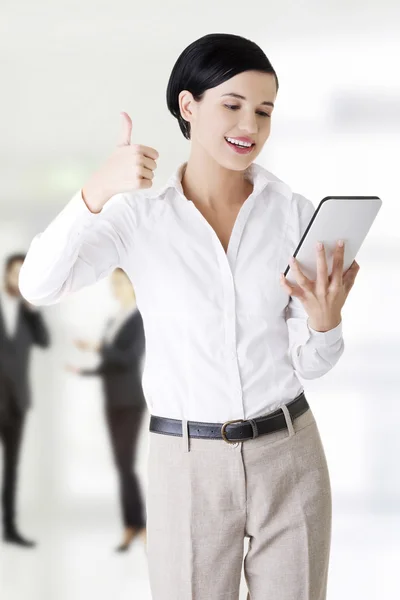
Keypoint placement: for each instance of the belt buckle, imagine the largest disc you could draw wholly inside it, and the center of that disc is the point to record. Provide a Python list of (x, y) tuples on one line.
[(225, 425)]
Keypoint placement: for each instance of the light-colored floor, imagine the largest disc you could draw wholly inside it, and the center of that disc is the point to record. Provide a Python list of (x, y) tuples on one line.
[(75, 561)]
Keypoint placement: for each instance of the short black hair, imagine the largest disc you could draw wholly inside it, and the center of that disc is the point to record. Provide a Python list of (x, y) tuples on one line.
[(13, 258), (208, 62)]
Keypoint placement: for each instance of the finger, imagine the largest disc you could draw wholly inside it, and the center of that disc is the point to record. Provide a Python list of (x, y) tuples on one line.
[(301, 279), (322, 268), (353, 267), (149, 163), (147, 151), (350, 276), (126, 130), (290, 289), (146, 173), (337, 268)]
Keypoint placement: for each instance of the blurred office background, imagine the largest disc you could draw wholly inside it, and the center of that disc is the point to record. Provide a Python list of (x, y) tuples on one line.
[(67, 70)]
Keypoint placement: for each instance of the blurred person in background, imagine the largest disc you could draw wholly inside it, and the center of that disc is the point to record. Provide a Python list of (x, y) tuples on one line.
[(21, 327), (122, 351)]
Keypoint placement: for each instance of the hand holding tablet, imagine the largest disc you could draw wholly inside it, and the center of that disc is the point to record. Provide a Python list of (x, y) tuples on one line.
[(322, 279)]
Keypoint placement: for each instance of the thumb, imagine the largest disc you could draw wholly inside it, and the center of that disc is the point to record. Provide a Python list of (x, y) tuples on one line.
[(126, 130)]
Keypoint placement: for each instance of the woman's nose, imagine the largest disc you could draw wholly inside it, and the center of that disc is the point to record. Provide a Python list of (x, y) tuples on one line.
[(248, 127)]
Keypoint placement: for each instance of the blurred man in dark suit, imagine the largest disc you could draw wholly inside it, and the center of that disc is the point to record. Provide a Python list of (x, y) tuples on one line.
[(21, 326)]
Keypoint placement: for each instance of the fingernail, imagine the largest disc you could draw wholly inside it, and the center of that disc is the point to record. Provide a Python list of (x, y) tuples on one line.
[(320, 245), (291, 260), (340, 243)]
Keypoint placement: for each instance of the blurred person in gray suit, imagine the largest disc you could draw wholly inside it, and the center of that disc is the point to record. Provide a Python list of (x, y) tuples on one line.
[(21, 326), (122, 351)]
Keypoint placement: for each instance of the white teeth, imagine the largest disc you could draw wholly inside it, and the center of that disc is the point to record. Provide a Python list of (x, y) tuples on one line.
[(233, 141)]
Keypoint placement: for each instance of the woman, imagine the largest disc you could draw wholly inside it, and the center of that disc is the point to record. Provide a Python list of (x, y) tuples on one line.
[(122, 350), (234, 448)]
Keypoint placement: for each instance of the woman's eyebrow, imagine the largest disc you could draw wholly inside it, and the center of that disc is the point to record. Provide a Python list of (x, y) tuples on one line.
[(243, 98)]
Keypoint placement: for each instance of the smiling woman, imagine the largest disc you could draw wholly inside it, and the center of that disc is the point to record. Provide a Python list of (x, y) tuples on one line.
[(193, 71), (222, 91), (234, 448)]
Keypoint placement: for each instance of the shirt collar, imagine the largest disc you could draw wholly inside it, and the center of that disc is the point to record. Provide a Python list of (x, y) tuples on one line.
[(258, 175)]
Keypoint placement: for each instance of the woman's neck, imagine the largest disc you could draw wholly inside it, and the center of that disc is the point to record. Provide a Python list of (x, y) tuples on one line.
[(209, 184)]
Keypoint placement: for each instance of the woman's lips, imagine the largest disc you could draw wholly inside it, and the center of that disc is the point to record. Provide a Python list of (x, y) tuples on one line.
[(240, 149)]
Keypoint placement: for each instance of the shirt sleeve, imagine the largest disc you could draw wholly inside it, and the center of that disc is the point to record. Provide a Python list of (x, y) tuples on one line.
[(313, 353), (77, 249)]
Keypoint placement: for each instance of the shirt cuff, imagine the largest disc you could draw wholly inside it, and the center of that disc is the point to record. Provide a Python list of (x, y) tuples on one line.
[(326, 338), (74, 218), (77, 206)]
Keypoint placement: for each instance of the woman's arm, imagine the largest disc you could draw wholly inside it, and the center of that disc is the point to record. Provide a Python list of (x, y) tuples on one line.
[(313, 353), (89, 372), (77, 249), (123, 358), (87, 346), (86, 372), (92, 234)]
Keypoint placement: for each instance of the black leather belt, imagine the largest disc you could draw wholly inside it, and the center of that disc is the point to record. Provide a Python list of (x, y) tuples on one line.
[(232, 431)]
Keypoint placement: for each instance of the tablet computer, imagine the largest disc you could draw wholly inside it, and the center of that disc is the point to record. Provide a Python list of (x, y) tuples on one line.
[(347, 218)]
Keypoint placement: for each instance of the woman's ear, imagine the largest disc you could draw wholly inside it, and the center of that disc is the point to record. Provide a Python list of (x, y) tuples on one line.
[(186, 102)]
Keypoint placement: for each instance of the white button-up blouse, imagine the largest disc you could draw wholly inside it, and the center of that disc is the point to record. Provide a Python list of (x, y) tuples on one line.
[(223, 338)]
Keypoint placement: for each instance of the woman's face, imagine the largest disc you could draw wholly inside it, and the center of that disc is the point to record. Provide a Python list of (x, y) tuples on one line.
[(121, 286), (219, 116)]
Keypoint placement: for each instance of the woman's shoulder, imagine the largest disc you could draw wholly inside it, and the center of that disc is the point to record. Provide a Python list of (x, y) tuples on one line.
[(298, 207), (299, 202), (142, 207), (295, 200)]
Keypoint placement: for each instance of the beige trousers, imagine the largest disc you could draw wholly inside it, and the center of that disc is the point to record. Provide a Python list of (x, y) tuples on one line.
[(205, 496)]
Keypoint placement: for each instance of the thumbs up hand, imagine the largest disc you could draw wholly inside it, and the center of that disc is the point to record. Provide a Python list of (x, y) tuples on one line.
[(129, 167)]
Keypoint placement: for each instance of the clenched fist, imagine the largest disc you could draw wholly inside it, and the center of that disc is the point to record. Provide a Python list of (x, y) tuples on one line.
[(130, 167)]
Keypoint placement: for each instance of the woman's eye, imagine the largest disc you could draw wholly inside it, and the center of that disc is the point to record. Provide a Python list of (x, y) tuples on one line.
[(234, 107)]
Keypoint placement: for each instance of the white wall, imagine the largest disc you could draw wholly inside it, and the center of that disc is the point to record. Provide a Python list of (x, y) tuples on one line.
[(66, 73)]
